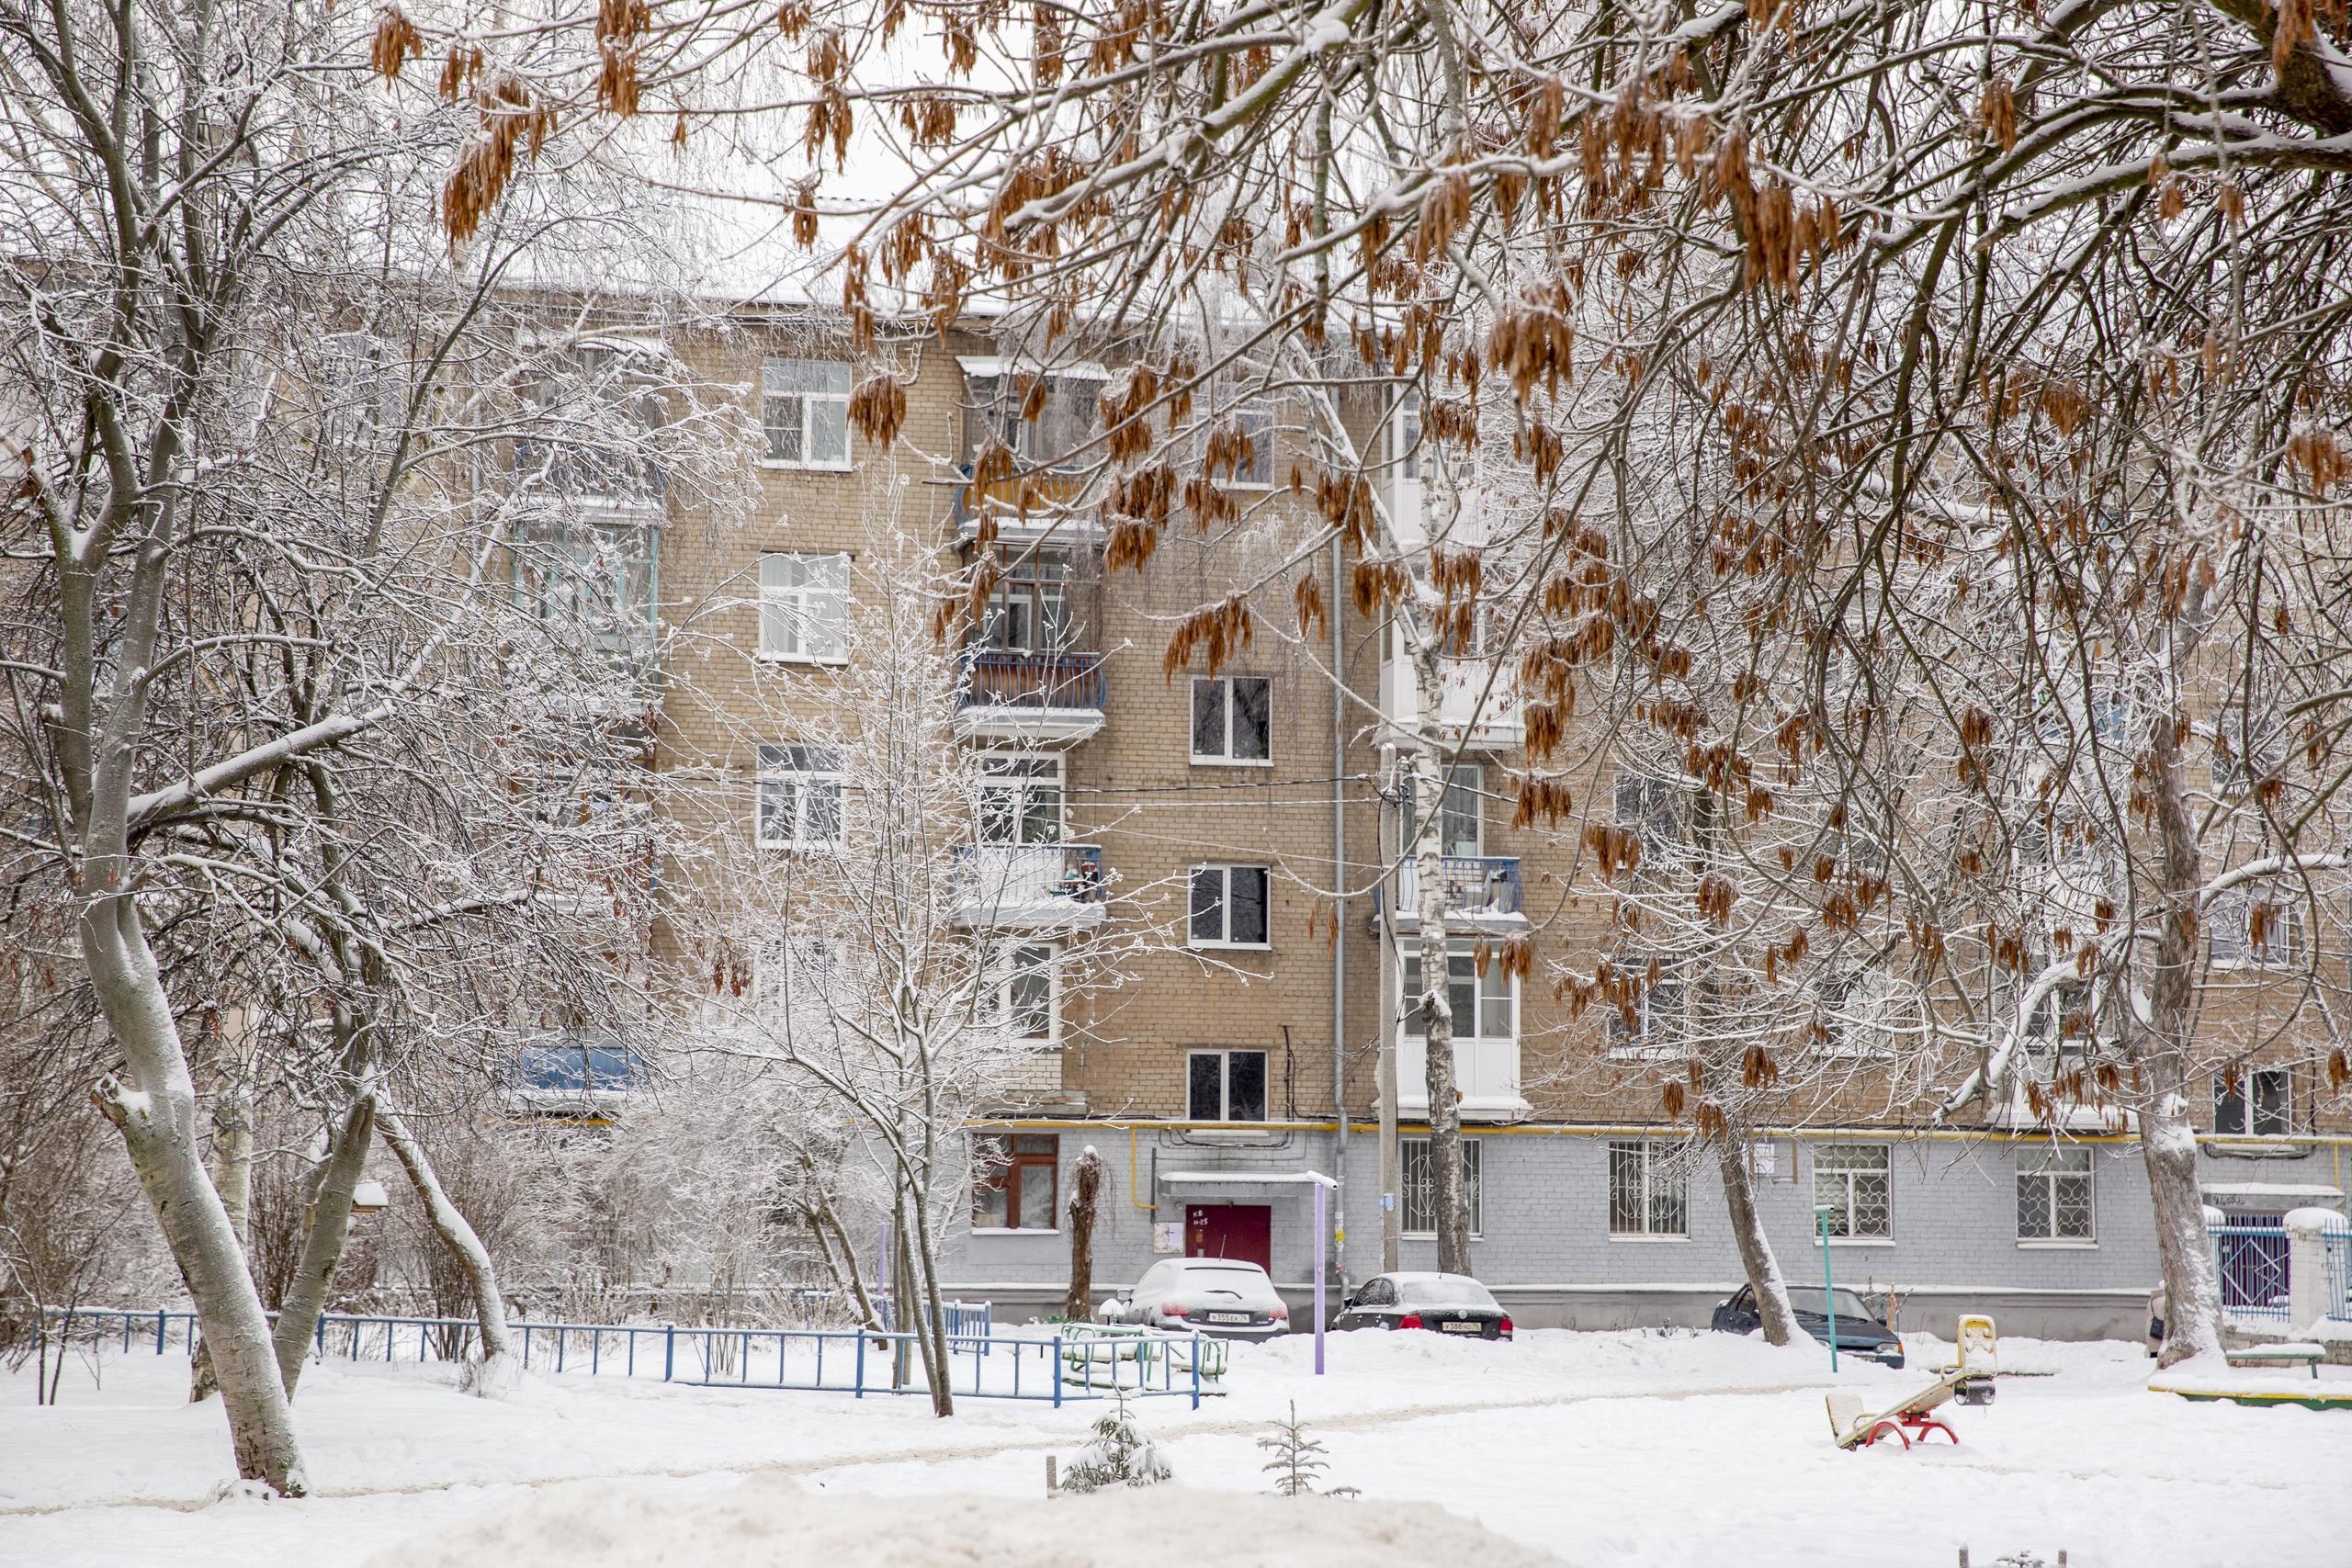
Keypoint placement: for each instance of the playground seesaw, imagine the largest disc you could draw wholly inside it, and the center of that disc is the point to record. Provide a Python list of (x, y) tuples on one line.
[(1970, 1381)]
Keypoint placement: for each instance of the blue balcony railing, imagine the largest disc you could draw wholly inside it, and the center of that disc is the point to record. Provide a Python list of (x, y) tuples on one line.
[(1474, 884), (1004, 678)]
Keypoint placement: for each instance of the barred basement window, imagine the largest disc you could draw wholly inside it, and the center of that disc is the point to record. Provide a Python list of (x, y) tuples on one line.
[(1418, 1176), (1647, 1195), (1850, 1179), (2055, 1195)]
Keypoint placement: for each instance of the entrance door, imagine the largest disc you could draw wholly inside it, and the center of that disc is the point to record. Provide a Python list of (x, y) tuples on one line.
[(1245, 1231)]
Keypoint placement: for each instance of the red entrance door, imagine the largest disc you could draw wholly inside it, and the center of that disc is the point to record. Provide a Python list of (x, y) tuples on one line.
[(1245, 1231)]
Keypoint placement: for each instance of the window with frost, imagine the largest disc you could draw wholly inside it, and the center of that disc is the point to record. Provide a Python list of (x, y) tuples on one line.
[(804, 413), (804, 608), (799, 795)]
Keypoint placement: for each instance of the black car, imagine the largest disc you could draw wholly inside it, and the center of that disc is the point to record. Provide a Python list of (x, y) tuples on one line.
[(1860, 1333), (1442, 1303)]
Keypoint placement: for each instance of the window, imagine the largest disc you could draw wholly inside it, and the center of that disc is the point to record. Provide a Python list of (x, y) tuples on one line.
[(1852, 1011), (2255, 1102), (1232, 719), (1649, 1193), (1461, 816), (596, 580), (1021, 799), (1238, 450), (1656, 1027), (1019, 993), (2054, 1194), (1012, 1181), (1417, 1173), (804, 608), (1850, 1179), (1481, 1004), (804, 410), (1653, 810), (2235, 914), (1065, 413), (2249, 743), (591, 409), (1228, 906), (1226, 1085), (1405, 434), (800, 796), (362, 387), (1029, 609)]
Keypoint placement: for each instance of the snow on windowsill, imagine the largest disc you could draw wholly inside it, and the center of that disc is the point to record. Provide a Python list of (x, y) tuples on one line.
[(1650, 1239), (1013, 1230), (2047, 1245), (1856, 1241)]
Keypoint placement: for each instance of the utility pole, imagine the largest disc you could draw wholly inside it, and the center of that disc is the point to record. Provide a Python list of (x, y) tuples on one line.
[(1392, 1214)]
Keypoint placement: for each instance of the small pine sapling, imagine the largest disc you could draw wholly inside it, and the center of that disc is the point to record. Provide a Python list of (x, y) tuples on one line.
[(1121, 1454), (1297, 1461)]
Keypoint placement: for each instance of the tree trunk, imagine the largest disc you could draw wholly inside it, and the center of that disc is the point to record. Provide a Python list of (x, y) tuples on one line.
[(232, 1157), (157, 1121), (323, 1239), (498, 1370), (1086, 1184), (2167, 1140), (1756, 1258), (1449, 1200), (932, 1320)]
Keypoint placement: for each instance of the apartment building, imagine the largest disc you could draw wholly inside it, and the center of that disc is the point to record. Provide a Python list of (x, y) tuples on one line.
[(1235, 1060)]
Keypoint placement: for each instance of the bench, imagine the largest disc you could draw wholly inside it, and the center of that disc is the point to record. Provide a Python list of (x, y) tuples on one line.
[(2279, 1356)]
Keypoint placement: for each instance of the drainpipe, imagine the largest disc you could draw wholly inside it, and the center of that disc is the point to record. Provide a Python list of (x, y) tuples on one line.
[(1339, 942)]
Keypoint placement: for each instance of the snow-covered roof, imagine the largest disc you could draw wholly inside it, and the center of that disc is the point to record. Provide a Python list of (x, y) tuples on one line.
[(1252, 1177)]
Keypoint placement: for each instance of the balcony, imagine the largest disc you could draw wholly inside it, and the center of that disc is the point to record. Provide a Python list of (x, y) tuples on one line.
[(1478, 701), (582, 473), (1043, 698), (1486, 1072), (1030, 887), (1481, 891)]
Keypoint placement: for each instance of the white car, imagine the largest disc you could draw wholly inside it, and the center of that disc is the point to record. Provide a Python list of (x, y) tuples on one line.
[(1212, 1295)]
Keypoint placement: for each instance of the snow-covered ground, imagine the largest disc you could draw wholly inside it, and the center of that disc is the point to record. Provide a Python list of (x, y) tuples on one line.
[(1600, 1448)]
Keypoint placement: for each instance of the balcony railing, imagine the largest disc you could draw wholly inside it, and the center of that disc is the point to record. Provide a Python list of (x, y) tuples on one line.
[(1003, 677), (1474, 884), (1024, 883)]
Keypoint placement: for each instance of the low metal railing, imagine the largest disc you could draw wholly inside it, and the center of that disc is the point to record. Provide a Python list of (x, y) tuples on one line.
[(1002, 678), (2251, 1261), (1474, 884), (858, 1362), (2338, 1258)]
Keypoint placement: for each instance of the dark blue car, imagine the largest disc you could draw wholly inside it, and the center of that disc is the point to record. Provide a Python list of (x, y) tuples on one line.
[(1860, 1333)]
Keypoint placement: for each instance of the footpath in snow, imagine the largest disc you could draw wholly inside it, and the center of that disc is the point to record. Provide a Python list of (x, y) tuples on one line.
[(1594, 1448)]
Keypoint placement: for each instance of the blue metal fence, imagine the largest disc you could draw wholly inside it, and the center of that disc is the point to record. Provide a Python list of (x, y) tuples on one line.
[(981, 1364), (2339, 1275), (2252, 1262)]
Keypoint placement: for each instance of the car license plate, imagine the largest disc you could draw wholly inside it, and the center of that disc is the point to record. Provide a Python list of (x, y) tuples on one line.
[(1459, 1327), (1228, 1317)]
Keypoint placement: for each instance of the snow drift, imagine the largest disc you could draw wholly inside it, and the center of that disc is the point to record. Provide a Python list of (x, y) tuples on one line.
[(769, 1522)]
